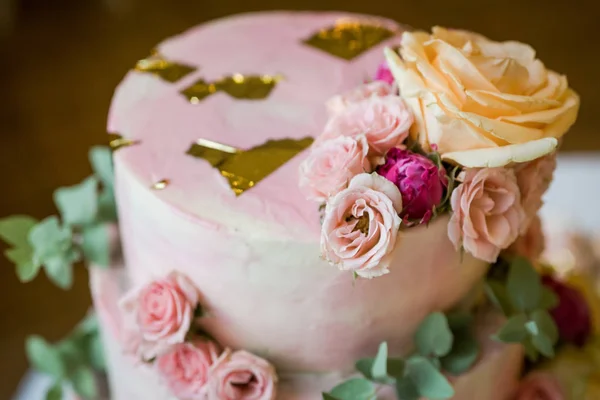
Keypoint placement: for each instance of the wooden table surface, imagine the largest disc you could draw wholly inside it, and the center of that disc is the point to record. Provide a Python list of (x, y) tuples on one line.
[(63, 58)]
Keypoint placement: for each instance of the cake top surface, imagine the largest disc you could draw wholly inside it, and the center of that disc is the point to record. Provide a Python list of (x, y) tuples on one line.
[(289, 72)]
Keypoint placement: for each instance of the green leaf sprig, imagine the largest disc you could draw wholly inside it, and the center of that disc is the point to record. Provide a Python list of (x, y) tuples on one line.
[(85, 210), (71, 361), (442, 341), (525, 302)]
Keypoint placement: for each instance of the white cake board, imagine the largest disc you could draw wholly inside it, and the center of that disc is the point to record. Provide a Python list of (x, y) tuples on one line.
[(571, 201)]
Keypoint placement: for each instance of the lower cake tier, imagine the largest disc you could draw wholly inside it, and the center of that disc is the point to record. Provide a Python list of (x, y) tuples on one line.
[(495, 376)]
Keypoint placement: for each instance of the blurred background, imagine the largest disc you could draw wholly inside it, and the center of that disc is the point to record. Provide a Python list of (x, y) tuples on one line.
[(61, 60)]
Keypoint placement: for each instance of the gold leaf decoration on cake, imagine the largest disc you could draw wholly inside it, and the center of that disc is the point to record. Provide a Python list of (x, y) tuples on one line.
[(170, 71), (348, 39), (249, 87), (116, 141), (160, 185), (245, 168)]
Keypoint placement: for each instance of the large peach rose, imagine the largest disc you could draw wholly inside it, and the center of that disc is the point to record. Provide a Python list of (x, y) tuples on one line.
[(482, 103)]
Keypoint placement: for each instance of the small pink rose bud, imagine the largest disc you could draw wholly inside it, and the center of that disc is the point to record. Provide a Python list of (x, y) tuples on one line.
[(420, 181), (384, 74)]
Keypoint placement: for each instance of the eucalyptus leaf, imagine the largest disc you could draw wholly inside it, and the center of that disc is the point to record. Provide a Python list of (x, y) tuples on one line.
[(102, 164), (459, 320), (27, 266), (15, 229), (530, 350), (44, 357), (434, 336), (463, 355), (48, 238), (364, 366), (545, 324), (353, 389), (548, 299), (406, 389), (543, 344), (88, 325), (379, 367), (395, 367), (78, 205), (107, 208), (84, 382), (523, 285), (96, 245), (327, 396), (497, 294), (430, 382), (96, 353), (55, 392), (59, 268), (513, 330)]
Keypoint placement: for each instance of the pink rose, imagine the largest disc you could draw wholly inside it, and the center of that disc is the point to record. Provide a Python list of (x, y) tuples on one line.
[(186, 368), (242, 376), (160, 314), (539, 386), (531, 244), (384, 121), (384, 74), (487, 212), (421, 183), (361, 225), (534, 178), (572, 314), (331, 165), (339, 103)]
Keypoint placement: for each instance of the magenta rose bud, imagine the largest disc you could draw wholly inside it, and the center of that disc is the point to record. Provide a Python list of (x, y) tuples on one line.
[(572, 314), (420, 181), (384, 74)]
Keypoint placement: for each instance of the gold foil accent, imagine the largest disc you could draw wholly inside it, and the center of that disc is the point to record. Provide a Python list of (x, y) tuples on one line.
[(116, 141), (160, 185), (348, 39), (249, 87), (170, 71), (245, 168)]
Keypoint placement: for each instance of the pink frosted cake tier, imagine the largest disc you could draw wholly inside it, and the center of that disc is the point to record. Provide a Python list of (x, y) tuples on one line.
[(494, 376), (255, 257)]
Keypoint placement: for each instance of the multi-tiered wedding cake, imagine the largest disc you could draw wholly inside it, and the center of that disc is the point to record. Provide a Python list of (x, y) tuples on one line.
[(320, 205)]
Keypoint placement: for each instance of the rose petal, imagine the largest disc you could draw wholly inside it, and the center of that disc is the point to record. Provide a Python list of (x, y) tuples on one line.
[(501, 156)]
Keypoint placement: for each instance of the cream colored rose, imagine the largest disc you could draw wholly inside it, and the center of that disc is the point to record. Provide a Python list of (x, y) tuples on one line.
[(482, 103)]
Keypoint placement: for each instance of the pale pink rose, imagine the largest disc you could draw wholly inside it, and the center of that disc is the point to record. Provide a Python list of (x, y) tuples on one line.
[(487, 214), (534, 178), (186, 368), (331, 165), (540, 386), (361, 226), (160, 314), (242, 376), (531, 244), (339, 103), (384, 121)]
